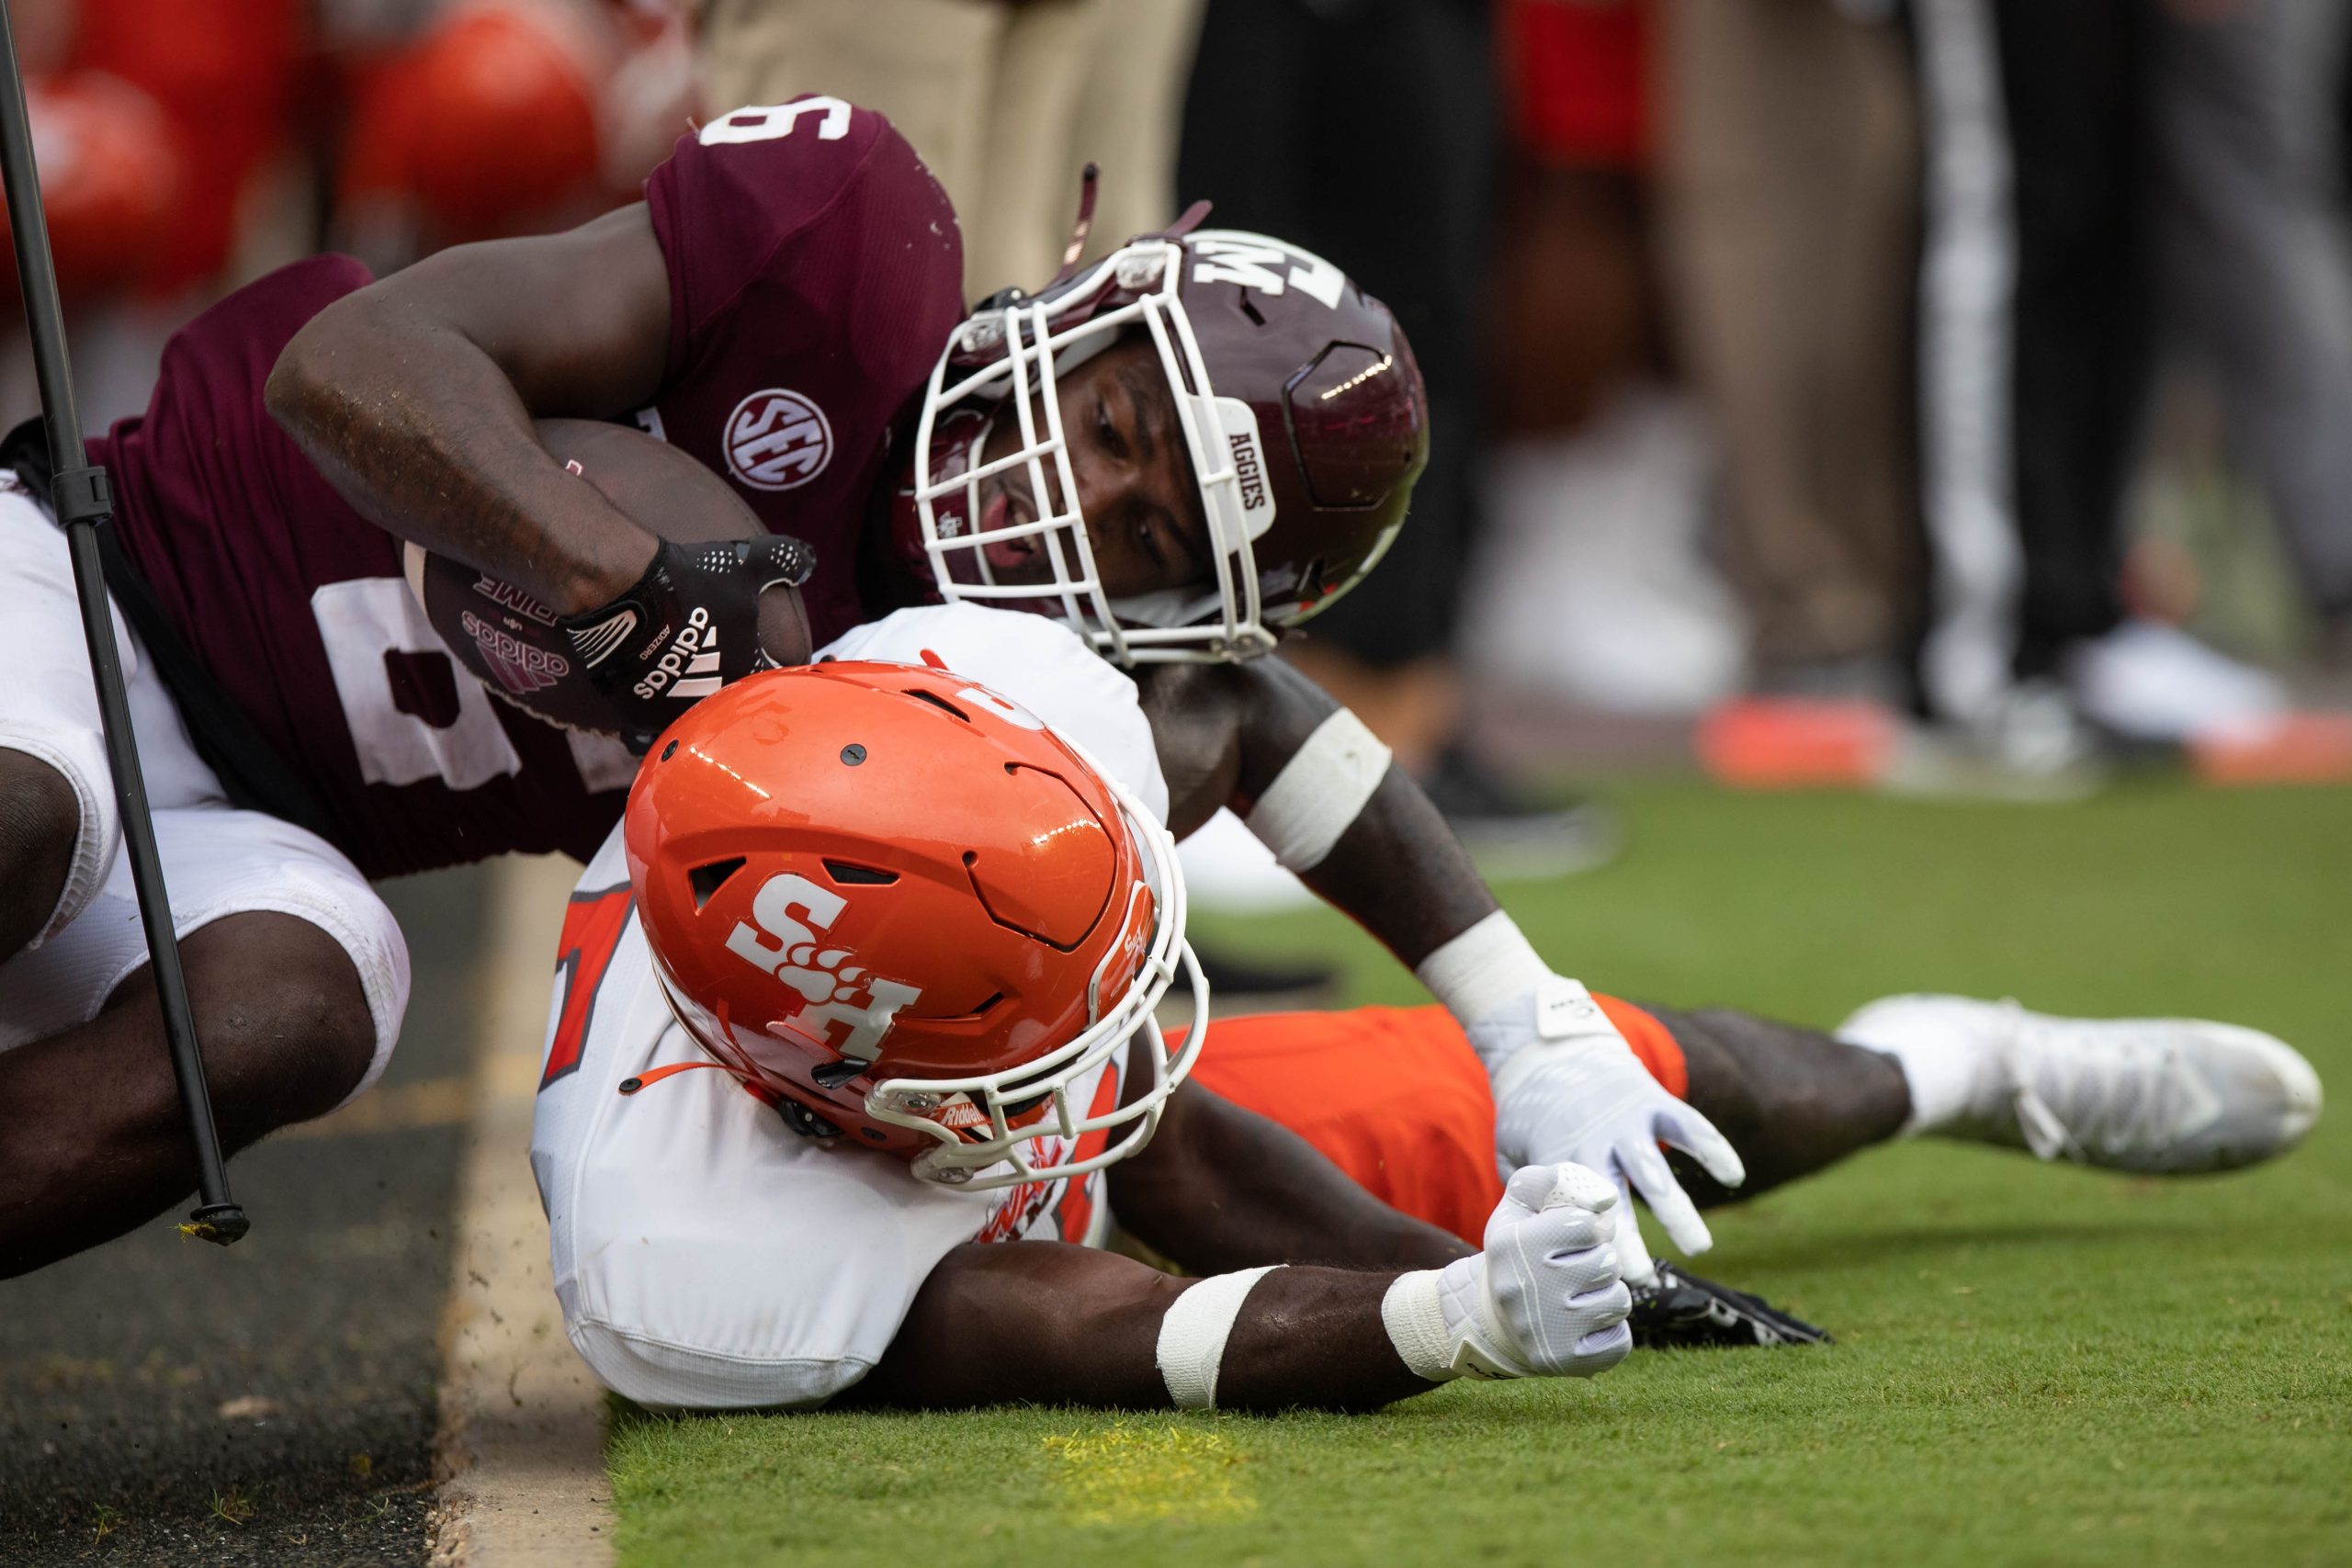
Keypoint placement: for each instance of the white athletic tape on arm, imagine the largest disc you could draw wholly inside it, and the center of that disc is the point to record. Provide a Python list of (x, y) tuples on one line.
[(1414, 1319), (1484, 967), (1193, 1335), (1319, 791)]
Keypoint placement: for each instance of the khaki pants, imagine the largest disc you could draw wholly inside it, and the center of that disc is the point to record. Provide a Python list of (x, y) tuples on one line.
[(1788, 180), (1006, 104)]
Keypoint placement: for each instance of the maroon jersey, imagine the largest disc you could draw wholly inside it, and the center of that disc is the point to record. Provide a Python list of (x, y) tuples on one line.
[(815, 272)]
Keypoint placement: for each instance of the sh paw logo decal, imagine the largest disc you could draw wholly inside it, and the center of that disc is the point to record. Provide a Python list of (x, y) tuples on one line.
[(834, 990)]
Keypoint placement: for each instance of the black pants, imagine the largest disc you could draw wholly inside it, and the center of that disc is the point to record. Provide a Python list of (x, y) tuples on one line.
[(2075, 74), (2043, 179), (1365, 131)]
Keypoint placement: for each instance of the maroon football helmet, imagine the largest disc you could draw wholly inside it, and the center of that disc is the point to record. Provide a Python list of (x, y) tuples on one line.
[(1301, 409)]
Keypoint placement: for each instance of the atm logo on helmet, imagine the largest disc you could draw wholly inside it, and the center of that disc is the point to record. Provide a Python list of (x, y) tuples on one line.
[(777, 941), (1269, 267)]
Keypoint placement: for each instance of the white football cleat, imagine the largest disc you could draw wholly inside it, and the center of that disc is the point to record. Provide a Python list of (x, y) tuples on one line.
[(2163, 1095)]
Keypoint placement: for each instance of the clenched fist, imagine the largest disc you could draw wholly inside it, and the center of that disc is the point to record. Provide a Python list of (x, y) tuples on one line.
[(691, 624), (1541, 1300)]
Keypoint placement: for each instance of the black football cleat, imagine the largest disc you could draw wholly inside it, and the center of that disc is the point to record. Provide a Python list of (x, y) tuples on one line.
[(1683, 1312)]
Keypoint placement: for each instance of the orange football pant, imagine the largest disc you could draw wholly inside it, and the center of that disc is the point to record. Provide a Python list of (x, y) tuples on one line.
[(1395, 1097)]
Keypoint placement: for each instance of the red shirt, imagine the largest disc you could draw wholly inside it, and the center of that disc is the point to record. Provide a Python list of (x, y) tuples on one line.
[(1578, 80)]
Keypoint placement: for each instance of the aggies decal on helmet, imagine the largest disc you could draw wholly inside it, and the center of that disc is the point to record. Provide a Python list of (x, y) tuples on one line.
[(1301, 410)]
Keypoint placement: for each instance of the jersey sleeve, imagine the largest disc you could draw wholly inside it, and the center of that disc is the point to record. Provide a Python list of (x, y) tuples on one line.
[(649, 1198), (750, 206), (1038, 662)]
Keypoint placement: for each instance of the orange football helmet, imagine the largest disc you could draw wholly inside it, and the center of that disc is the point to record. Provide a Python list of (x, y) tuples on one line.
[(900, 906), (487, 123), (113, 182)]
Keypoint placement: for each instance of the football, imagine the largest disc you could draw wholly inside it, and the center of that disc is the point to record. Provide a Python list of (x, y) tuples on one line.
[(509, 640)]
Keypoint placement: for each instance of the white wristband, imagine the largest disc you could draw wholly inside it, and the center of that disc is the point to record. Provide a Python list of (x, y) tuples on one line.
[(1194, 1331), (1483, 968), (1414, 1319), (1320, 790)]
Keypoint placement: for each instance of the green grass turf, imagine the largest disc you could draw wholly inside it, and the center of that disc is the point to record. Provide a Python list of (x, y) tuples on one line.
[(2034, 1364)]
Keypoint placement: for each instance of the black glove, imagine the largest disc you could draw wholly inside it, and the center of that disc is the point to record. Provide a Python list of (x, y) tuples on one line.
[(690, 625), (1683, 1311)]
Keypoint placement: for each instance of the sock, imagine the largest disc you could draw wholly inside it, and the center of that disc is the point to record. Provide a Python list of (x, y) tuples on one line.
[(1939, 1071)]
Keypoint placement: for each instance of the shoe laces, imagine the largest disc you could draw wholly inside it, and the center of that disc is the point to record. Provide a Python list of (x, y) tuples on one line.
[(2115, 1092)]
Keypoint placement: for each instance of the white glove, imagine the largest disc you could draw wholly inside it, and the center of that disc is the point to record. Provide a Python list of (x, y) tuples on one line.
[(1568, 1089), (1542, 1300)]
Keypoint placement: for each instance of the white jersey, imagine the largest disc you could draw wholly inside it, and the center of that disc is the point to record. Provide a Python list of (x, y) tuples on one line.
[(704, 1254), (219, 862)]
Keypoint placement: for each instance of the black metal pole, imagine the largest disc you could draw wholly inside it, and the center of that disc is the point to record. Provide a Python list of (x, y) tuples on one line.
[(84, 503)]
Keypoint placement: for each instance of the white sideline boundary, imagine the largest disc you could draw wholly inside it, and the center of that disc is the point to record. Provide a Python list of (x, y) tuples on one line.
[(520, 1453)]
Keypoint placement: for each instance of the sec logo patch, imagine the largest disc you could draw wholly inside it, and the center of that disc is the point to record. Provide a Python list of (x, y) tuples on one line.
[(777, 440)]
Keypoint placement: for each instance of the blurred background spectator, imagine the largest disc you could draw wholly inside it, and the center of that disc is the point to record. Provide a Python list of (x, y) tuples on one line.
[(1593, 585), (489, 118), (159, 126), (2253, 282), (187, 146), (1789, 180), (1366, 130), (2037, 349), (1006, 101), (2108, 181)]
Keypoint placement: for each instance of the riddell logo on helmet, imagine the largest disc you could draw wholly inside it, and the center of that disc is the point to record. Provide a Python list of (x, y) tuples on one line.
[(520, 667), (693, 652), (1247, 468)]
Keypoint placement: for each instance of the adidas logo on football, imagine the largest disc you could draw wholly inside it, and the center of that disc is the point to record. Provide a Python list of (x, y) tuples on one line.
[(688, 667), (521, 667)]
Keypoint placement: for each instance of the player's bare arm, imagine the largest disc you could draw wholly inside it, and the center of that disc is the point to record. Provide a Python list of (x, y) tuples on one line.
[(1319, 789), (415, 396), (1226, 733), (1219, 1190), (1049, 1322)]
